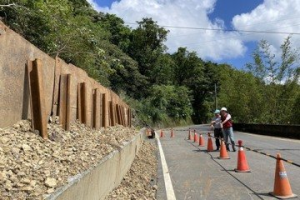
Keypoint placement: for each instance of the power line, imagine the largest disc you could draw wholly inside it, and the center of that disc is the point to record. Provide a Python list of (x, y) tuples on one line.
[(291, 25), (226, 30), (205, 42)]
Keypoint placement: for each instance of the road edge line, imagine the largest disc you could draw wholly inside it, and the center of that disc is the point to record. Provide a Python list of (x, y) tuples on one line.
[(167, 179)]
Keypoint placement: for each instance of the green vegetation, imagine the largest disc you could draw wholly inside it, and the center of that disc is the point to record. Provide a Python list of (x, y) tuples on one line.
[(163, 88)]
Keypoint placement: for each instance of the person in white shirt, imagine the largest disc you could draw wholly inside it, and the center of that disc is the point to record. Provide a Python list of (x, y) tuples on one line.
[(216, 126)]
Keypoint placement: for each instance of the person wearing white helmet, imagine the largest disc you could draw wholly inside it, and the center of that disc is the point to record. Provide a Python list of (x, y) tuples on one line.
[(226, 124), (216, 126)]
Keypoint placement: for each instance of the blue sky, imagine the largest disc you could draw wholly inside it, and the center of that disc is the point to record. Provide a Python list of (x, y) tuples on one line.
[(234, 48), (226, 10), (104, 3)]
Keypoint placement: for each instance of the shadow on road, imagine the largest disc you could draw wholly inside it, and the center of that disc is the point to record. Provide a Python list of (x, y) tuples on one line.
[(228, 171)]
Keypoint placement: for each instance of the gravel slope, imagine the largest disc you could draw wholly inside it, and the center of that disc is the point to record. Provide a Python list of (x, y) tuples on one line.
[(139, 182), (31, 167)]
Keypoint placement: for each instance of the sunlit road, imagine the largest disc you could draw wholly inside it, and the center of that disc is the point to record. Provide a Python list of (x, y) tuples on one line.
[(196, 174)]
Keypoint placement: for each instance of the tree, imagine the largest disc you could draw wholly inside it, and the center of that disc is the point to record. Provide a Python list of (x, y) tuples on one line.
[(280, 77), (174, 100), (272, 70), (163, 70), (242, 94), (119, 33), (295, 119), (146, 47), (199, 77), (125, 76)]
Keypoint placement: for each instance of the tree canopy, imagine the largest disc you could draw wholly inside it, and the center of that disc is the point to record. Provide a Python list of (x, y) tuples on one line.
[(162, 87)]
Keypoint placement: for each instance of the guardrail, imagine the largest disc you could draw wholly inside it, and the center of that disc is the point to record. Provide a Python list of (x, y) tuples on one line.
[(287, 131)]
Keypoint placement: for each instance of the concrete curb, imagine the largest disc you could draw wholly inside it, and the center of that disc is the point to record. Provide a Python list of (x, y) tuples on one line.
[(98, 181)]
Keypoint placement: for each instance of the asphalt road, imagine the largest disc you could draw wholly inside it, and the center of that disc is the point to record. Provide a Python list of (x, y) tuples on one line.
[(197, 174)]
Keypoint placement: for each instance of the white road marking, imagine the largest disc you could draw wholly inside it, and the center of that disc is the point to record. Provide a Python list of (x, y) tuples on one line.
[(167, 178)]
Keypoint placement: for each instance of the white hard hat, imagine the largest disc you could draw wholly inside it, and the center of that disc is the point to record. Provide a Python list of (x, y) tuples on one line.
[(225, 109)]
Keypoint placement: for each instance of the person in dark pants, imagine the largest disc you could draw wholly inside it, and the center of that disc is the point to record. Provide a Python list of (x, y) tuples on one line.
[(216, 126)]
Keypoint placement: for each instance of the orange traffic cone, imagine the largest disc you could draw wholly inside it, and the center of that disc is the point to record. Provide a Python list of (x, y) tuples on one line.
[(161, 134), (242, 164), (201, 141), (210, 146), (172, 133), (223, 151), (195, 136), (282, 187), (190, 135)]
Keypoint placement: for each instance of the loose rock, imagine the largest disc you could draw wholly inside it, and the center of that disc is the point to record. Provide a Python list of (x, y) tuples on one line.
[(31, 166), (50, 182), (137, 183)]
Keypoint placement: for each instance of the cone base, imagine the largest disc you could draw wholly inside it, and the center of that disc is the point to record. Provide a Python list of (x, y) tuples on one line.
[(224, 158), (283, 197), (242, 171), (201, 145)]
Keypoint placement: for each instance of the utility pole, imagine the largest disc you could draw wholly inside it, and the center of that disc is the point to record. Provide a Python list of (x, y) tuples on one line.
[(216, 104)]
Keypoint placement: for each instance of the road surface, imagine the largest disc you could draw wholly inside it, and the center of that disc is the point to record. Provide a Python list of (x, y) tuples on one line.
[(197, 174)]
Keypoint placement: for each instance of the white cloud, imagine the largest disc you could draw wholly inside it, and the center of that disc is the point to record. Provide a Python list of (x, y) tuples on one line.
[(94, 4), (274, 15), (191, 13)]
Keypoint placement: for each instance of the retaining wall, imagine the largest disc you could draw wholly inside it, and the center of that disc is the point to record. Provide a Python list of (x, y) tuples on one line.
[(16, 52), (97, 182)]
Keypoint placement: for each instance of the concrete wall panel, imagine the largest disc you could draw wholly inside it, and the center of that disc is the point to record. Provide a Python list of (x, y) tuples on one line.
[(97, 182), (15, 51)]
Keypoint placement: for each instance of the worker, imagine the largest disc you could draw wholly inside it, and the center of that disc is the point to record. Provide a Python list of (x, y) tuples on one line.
[(226, 126), (216, 126)]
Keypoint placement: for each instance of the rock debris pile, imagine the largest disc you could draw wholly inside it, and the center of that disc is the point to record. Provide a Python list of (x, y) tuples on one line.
[(140, 182), (32, 168)]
